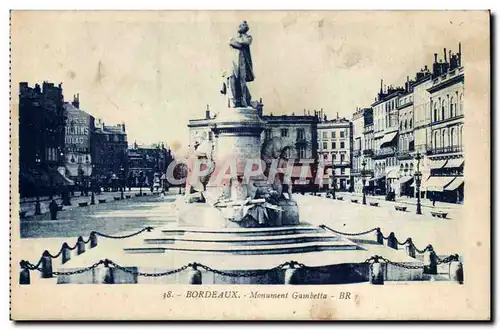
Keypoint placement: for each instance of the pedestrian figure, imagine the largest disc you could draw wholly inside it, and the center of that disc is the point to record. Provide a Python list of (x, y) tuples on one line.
[(53, 207)]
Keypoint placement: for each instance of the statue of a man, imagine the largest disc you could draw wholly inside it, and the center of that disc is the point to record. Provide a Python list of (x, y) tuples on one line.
[(241, 70)]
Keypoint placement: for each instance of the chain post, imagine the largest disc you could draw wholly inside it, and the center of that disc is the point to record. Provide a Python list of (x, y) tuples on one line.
[(194, 274), (430, 261), (65, 253), (109, 277), (376, 272), (80, 245), (93, 239), (46, 271), (380, 237), (24, 274), (392, 242), (410, 248), (290, 273), (456, 270)]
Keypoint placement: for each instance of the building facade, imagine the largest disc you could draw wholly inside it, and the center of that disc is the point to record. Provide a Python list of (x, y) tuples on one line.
[(361, 119), (78, 134), (335, 153), (147, 165), (445, 154), (41, 139), (109, 149)]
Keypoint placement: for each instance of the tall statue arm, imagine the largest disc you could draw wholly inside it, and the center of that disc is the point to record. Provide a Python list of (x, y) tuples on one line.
[(239, 42)]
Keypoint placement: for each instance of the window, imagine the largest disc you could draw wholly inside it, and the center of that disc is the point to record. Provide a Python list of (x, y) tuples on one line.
[(452, 138), (443, 137), (269, 134), (342, 171), (334, 145), (301, 150), (334, 135), (300, 134), (461, 110), (342, 145), (324, 135), (325, 145), (334, 156), (411, 124), (342, 158), (435, 112), (284, 132), (342, 134), (406, 124), (452, 107), (443, 109), (325, 157)]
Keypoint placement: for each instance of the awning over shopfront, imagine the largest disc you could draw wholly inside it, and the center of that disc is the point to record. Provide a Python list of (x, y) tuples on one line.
[(388, 138), (405, 179), (60, 180), (438, 183), (455, 184), (437, 164), (393, 174), (454, 163)]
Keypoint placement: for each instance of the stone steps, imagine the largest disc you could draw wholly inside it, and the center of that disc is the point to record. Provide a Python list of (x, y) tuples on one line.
[(247, 249), (245, 240), (242, 232)]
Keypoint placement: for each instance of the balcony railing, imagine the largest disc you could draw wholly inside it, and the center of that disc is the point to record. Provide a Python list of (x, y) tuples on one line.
[(444, 150), (336, 163), (382, 153), (403, 154), (368, 152)]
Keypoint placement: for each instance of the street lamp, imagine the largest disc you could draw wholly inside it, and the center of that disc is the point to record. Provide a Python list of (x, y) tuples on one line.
[(333, 179), (418, 178), (92, 186), (363, 179), (122, 181), (38, 210)]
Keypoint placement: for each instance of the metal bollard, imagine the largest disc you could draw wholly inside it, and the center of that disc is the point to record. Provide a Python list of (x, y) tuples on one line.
[(108, 273), (93, 240), (410, 248), (392, 242), (456, 271), (430, 260), (290, 274), (380, 237), (194, 275), (80, 245), (46, 265), (24, 275), (376, 273), (65, 253)]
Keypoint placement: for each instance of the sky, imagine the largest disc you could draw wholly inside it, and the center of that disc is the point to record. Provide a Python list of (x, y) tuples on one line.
[(156, 70)]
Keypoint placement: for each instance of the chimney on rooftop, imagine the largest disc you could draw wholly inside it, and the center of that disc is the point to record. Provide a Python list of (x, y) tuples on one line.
[(76, 101), (207, 112)]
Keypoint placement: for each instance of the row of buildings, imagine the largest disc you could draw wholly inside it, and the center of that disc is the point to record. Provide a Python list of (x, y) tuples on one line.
[(61, 145), (425, 116)]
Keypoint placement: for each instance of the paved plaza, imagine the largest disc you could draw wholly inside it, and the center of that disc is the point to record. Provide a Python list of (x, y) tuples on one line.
[(125, 216)]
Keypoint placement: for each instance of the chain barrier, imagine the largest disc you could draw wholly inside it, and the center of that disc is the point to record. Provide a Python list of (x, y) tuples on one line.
[(404, 243), (123, 236), (28, 265), (83, 270), (291, 264), (349, 234), (448, 259), (137, 273)]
